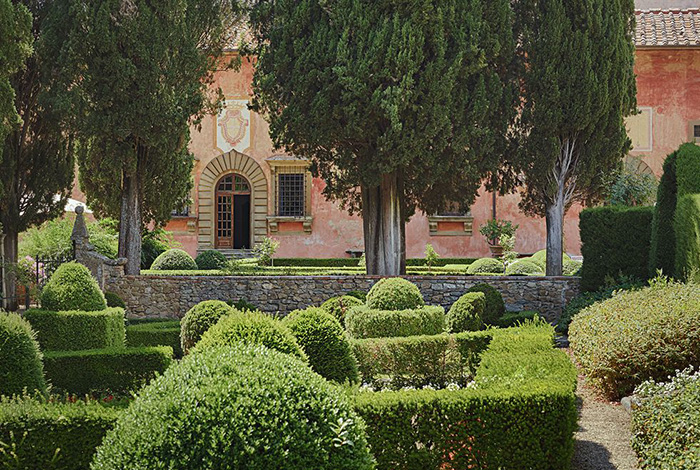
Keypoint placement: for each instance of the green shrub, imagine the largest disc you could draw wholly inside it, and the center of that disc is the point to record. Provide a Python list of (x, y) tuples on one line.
[(211, 259), (359, 295), (113, 370), (394, 293), (72, 287), (113, 300), (688, 170), (76, 330), (572, 267), (153, 245), (323, 339), (417, 361), (516, 318), (199, 319), (254, 328), (540, 259), (242, 305), (495, 306), (524, 267), (52, 239), (638, 335), (339, 306), (207, 412), (465, 314), (665, 431), (20, 357), (365, 322), (662, 249), (615, 242), (687, 229), (35, 435), (486, 266), (174, 259), (162, 333)]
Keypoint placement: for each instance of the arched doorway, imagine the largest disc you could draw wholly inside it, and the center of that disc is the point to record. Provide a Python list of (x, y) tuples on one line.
[(233, 212)]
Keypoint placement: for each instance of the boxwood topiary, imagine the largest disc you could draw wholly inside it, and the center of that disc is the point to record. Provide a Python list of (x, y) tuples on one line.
[(174, 260), (540, 258), (339, 306), (524, 267), (364, 322), (244, 406), (323, 339), (20, 357), (113, 300), (251, 327), (486, 266), (572, 267), (465, 314), (199, 319), (394, 293), (495, 306), (211, 259), (72, 287)]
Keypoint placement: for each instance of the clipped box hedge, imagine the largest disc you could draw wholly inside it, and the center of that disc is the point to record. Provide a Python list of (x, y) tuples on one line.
[(35, 435), (687, 229), (77, 330), (156, 333), (521, 414), (118, 371), (364, 322)]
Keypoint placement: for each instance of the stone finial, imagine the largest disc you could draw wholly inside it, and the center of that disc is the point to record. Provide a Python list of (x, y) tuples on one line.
[(80, 233)]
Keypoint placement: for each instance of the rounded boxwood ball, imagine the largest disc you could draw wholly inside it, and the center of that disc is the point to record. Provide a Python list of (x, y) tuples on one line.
[(572, 267), (540, 258), (250, 327), (174, 260), (524, 267), (323, 339), (237, 407), (339, 306), (211, 259), (486, 266), (394, 293), (465, 314), (20, 357), (199, 319), (495, 306), (72, 287)]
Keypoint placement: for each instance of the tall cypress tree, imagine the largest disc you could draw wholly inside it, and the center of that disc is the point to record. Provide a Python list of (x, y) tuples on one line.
[(578, 86), (15, 47), (401, 105)]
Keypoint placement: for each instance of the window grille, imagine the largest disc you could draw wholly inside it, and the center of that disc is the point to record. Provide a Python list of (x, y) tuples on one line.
[(291, 194), (696, 132)]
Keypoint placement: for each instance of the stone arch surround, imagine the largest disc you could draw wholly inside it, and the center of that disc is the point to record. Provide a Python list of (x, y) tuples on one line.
[(231, 162)]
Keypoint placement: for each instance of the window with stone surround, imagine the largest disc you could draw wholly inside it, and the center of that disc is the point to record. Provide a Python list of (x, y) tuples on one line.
[(695, 131), (452, 220), (291, 193)]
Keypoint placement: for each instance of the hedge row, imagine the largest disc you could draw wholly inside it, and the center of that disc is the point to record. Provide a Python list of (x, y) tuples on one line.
[(118, 371), (76, 330), (364, 322), (353, 262), (687, 229), (521, 414), (58, 436), (162, 333)]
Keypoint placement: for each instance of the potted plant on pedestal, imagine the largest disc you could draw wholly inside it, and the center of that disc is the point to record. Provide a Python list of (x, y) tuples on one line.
[(495, 231)]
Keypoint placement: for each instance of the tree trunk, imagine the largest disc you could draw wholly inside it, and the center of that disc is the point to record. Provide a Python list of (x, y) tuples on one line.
[(384, 226), (555, 235), (130, 223), (9, 272)]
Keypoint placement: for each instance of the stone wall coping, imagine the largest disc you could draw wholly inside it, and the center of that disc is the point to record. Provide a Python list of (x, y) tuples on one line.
[(368, 277)]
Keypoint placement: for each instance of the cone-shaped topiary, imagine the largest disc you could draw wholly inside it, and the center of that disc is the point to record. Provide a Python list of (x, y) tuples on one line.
[(244, 406), (199, 319), (339, 306), (174, 260), (524, 266), (394, 293), (495, 306), (465, 314), (211, 259), (323, 339), (72, 287), (20, 357), (486, 266)]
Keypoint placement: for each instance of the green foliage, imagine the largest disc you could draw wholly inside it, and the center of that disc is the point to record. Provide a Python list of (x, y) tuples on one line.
[(211, 259), (113, 300), (242, 305), (366, 322), (207, 409), (72, 287), (394, 293), (265, 250), (638, 335), (323, 339), (52, 435), (52, 238), (524, 267), (572, 267), (662, 251), (199, 319), (318, 262), (118, 371), (486, 266), (494, 229), (339, 306), (20, 358), (15, 47), (615, 241), (630, 188), (359, 295), (495, 306), (157, 333), (174, 259), (153, 244), (687, 231), (465, 314), (665, 432), (431, 256), (253, 328), (540, 258), (688, 170), (75, 330), (510, 319)]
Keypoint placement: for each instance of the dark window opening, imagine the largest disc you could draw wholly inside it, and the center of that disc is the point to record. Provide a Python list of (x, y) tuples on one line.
[(291, 195)]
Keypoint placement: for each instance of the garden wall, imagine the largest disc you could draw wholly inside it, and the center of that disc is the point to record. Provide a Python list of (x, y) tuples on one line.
[(172, 296)]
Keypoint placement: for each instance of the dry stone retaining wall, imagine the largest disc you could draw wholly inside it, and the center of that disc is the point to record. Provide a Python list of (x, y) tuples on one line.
[(172, 296)]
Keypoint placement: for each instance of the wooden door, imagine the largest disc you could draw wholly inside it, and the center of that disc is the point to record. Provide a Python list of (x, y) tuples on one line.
[(232, 212)]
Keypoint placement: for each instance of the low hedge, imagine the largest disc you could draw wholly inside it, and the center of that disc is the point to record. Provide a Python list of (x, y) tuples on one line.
[(521, 413), (364, 322), (38, 435), (78, 330), (515, 318), (416, 361), (638, 335), (163, 333), (354, 262), (118, 371), (665, 431), (20, 357), (687, 229)]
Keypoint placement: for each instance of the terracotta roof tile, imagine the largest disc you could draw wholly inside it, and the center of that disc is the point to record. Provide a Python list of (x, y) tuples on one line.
[(671, 27)]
